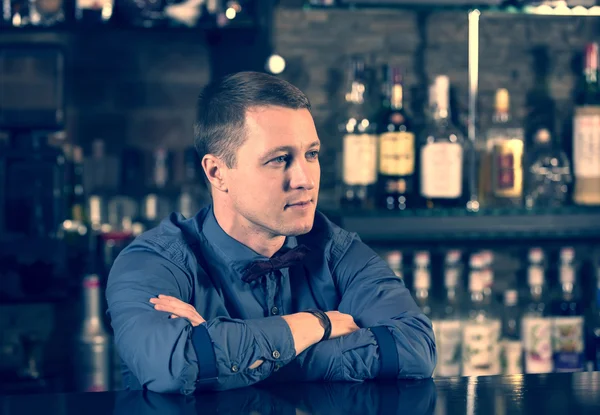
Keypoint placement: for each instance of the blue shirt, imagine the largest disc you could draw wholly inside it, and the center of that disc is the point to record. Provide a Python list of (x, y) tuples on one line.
[(199, 263)]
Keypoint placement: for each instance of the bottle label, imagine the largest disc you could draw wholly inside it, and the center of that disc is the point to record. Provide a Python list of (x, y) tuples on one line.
[(586, 142), (537, 344), (480, 351), (448, 339), (441, 170), (512, 351), (360, 159), (397, 154), (507, 171), (567, 339)]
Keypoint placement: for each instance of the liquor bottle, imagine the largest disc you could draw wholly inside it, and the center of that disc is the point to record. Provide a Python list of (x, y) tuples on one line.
[(94, 352), (511, 346), (536, 326), (567, 325), (359, 143), (548, 173), (441, 152), (481, 330), (194, 194), (394, 261), (586, 133), (448, 323), (503, 158), (396, 181), (422, 282), (157, 204)]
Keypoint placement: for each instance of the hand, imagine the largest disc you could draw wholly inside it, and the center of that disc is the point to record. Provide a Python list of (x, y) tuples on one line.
[(177, 308), (341, 324)]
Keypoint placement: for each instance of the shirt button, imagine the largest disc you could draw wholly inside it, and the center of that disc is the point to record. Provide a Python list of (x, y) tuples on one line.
[(234, 368), (276, 354), (274, 311)]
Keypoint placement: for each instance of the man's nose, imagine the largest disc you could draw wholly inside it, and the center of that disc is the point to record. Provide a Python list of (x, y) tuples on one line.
[(301, 177)]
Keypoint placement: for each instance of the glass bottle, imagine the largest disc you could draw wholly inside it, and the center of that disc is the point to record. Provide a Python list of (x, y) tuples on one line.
[(548, 174), (511, 347), (422, 282), (536, 326), (396, 181), (441, 152), (481, 332), (586, 132), (359, 143), (567, 325), (503, 183), (448, 324)]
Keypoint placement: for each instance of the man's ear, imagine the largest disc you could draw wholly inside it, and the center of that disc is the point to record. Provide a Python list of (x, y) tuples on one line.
[(216, 171)]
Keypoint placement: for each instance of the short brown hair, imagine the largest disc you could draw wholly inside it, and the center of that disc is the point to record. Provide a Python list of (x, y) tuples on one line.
[(222, 106)]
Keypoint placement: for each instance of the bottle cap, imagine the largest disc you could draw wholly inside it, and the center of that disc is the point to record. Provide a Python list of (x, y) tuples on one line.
[(422, 259), (476, 261), (536, 255), (394, 258), (567, 254), (453, 256)]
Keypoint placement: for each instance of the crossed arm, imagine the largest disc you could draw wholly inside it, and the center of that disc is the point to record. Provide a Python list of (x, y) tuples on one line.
[(168, 354)]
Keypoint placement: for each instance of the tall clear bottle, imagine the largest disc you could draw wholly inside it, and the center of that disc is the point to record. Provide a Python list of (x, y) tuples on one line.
[(511, 346), (422, 282), (396, 181), (536, 325), (93, 362), (448, 323), (441, 152), (567, 326), (501, 179), (481, 334), (359, 143)]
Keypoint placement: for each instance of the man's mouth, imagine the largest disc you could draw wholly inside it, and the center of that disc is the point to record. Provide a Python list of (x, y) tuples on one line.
[(299, 204)]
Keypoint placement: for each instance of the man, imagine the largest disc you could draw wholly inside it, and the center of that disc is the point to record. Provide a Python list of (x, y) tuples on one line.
[(237, 294)]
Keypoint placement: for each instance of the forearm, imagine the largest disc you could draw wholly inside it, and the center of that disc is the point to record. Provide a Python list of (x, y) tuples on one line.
[(392, 349)]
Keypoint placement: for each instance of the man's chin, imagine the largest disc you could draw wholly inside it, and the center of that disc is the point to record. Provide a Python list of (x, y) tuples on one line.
[(300, 229)]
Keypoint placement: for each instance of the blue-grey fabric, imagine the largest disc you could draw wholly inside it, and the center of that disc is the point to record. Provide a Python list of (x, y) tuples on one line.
[(199, 263)]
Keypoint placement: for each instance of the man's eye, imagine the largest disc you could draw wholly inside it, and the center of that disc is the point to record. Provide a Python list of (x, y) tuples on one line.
[(313, 154), (280, 159)]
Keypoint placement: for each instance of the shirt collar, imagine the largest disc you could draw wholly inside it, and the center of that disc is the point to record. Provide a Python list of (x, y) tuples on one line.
[(229, 250)]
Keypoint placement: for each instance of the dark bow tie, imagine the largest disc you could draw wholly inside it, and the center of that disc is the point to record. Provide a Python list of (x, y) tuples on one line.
[(290, 258)]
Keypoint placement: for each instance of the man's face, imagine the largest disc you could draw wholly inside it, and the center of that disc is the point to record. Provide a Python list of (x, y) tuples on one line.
[(275, 183)]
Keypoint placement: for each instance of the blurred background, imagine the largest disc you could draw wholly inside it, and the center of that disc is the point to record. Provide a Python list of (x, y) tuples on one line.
[(461, 140)]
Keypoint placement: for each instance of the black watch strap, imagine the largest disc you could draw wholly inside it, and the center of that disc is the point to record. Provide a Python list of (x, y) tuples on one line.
[(325, 322)]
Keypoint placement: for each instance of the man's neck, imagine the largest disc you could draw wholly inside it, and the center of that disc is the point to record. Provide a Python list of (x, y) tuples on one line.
[(247, 233)]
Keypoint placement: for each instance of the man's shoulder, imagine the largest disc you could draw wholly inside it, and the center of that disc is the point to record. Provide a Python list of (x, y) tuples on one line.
[(328, 237), (175, 238)]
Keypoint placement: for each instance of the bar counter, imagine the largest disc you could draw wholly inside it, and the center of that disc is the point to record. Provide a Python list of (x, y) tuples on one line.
[(563, 393)]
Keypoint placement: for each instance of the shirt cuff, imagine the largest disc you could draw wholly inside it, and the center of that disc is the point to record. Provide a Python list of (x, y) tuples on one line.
[(274, 337), (388, 355), (205, 353)]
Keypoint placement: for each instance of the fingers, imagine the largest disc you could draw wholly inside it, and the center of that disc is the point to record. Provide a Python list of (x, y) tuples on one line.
[(177, 308)]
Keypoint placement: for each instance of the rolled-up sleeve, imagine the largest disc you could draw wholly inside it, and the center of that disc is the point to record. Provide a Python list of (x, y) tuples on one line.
[(170, 355), (395, 341), (380, 302)]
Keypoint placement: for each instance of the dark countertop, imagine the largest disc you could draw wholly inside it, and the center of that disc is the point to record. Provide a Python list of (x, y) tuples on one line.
[(566, 393)]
